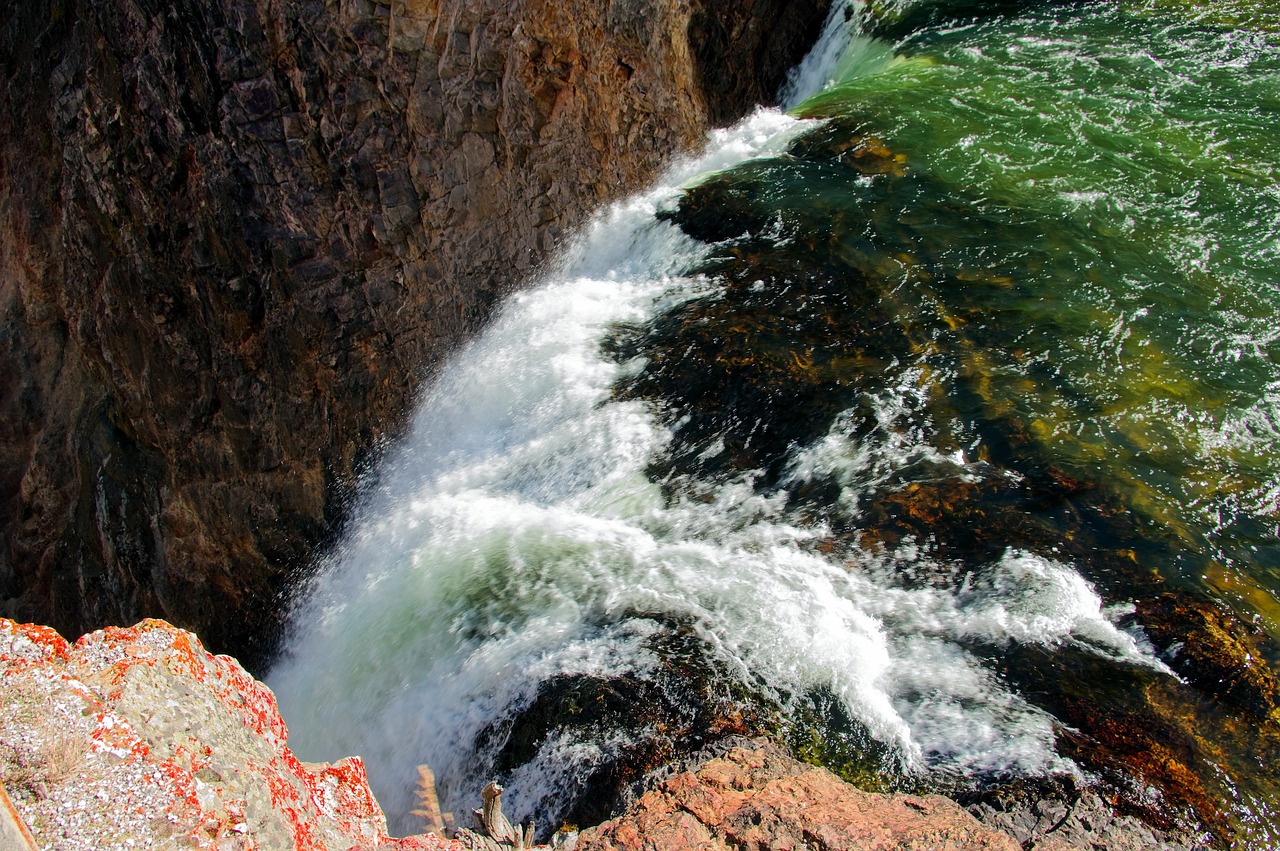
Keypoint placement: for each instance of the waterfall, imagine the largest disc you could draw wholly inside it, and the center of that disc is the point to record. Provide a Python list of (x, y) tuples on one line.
[(517, 536)]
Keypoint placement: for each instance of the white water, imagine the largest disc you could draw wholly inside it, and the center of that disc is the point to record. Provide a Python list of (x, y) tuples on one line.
[(514, 532)]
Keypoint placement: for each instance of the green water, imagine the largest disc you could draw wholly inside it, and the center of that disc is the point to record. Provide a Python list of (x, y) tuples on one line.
[(1061, 226), (1114, 253), (1108, 211)]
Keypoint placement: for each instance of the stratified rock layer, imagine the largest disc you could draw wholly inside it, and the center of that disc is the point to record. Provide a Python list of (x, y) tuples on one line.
[(234, 236), (139, 738)]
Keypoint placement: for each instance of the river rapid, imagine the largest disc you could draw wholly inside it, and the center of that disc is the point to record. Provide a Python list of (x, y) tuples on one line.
[(931, 427)]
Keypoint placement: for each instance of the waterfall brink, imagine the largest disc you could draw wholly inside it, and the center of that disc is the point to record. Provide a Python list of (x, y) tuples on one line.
[(517, 538)]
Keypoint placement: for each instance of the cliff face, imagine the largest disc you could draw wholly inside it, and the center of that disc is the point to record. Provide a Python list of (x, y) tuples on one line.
[(236, 234)]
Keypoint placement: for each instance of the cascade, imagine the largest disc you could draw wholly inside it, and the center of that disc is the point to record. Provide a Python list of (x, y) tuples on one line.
[(585, 514)]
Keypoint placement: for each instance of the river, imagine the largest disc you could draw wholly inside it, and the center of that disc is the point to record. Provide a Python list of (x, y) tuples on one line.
[(931, 427)]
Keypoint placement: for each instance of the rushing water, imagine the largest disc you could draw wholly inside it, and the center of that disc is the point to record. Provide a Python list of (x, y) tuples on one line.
[(931, 428)]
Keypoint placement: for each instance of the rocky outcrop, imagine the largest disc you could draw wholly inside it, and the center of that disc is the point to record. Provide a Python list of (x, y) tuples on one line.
[(235, 235), (754, 796), (140, 738)]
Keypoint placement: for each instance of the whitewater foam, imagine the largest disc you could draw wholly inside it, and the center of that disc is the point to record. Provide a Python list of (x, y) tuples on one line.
[(516, 534)]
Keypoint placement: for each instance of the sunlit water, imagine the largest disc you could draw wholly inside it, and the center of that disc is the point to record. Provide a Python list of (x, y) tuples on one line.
[(679, 458)]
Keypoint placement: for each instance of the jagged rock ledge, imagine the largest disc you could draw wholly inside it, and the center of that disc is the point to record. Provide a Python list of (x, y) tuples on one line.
[(140, 738)]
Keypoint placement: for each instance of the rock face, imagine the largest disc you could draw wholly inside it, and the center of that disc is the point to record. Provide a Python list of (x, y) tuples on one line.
[(235, 235), (754, 796), (139, 738)]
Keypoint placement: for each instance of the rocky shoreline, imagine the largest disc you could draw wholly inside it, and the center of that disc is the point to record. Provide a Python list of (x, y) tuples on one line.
[(140, 738)]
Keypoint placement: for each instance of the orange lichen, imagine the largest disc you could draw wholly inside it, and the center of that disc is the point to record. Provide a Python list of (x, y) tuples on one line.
[(323, 808)]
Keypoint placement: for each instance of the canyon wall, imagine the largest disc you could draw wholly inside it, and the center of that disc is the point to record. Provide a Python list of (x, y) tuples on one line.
[(236, 235)]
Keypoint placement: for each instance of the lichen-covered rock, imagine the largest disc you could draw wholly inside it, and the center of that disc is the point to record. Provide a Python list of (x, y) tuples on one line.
[(235, 234), (139, 738), (754, 796)]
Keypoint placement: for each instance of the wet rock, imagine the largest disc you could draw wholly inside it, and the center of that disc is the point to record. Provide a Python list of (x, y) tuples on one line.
[(771, 32), (844, 141), (1150, 748), (1216, 652), (638, 721)]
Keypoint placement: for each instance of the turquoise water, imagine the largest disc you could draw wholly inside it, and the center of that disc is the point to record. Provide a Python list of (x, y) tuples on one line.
[(931, 429)]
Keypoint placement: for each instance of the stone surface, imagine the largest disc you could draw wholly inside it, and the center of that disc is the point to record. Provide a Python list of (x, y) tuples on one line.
[(139, 738), (754, 796), (14, 835), (1056, 814), (236, 234)]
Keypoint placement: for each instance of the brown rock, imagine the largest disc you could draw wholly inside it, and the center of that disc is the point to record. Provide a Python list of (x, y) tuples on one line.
[(754, 796), (1216, 652), (235, 235)]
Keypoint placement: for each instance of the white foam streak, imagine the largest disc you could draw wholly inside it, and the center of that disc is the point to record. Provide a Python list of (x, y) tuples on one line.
[(898, 441)]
